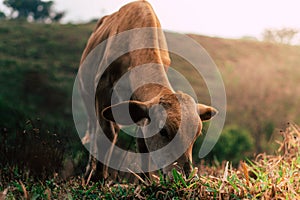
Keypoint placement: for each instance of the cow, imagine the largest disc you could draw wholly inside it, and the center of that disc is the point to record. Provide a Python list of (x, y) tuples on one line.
[(146, 101)]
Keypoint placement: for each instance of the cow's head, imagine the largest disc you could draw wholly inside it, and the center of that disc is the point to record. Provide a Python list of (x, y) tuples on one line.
[(168, 115)]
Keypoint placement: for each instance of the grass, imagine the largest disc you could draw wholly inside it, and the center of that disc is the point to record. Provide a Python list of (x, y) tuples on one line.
[(266, 177)]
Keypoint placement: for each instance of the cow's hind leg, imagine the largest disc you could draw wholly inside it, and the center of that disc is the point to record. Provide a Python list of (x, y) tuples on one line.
[(101, 152), (94, 167)]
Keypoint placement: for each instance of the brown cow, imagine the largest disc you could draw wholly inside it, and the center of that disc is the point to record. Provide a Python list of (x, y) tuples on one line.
[(177, 106)]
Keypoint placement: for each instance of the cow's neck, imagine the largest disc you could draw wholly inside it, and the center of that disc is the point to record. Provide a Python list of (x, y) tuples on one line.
[(149, 82), (150, 92)]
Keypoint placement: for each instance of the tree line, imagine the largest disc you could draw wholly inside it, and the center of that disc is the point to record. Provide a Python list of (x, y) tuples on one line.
[(282, 36), (32, 10)]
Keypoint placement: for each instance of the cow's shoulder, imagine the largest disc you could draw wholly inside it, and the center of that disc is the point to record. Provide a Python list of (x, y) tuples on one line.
[(142, 4), (100, 22), (138, 14)]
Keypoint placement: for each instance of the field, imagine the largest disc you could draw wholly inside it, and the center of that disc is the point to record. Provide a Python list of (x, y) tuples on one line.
[(41, 155), (266, 177)]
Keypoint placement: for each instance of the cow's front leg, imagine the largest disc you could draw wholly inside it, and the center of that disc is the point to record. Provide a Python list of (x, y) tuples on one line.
[(111, 133), (142, 148)]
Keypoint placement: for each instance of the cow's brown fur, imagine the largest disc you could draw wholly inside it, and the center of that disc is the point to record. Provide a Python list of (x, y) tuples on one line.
[(140, 14)]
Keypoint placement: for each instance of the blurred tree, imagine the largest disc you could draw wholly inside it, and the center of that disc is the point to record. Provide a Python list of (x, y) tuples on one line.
[(286, 35), (34, 10), (269, 36), (283, 36), (2, 15)]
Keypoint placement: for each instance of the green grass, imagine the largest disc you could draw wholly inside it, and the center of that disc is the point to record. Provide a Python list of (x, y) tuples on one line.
[(266, 177)]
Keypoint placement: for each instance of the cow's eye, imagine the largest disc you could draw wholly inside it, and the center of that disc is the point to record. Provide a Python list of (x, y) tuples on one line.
[(163, 132)]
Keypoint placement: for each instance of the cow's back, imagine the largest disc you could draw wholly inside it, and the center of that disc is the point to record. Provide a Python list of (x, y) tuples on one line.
[(134, 15)]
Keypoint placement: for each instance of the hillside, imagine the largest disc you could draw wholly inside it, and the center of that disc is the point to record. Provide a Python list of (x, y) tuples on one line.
[(38, 64), (261, 83)]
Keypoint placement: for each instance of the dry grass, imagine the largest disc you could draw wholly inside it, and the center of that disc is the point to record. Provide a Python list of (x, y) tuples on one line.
[(266, 177)]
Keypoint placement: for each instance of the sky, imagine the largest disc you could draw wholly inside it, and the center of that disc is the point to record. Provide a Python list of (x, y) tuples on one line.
[(221, 18)]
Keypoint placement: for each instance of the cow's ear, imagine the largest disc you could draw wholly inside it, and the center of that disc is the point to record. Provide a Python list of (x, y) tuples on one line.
[(119, 112), (206, 112)]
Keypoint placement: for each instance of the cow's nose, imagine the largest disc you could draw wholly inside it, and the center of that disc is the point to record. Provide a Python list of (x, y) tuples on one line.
[(187, 168)]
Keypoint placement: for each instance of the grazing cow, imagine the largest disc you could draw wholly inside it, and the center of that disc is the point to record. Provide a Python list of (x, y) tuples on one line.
[(146, 100)]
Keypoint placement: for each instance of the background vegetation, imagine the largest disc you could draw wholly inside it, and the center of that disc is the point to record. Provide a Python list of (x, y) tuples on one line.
[(32, 10)]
